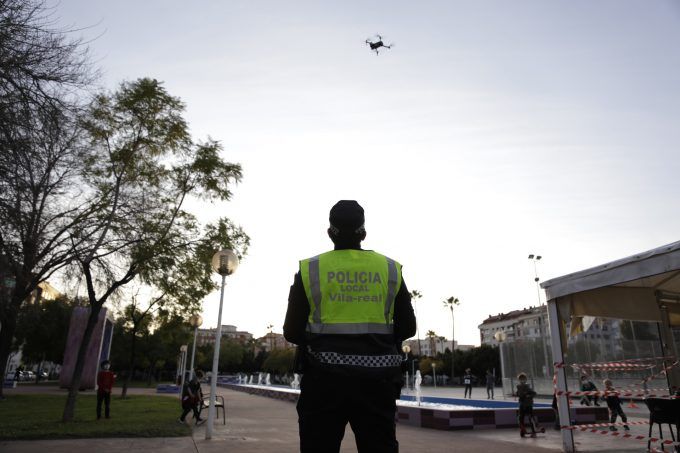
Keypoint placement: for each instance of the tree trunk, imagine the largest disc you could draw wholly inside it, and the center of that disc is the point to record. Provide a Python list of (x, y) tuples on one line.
[(6, 335), (131, 366), (69, 408)]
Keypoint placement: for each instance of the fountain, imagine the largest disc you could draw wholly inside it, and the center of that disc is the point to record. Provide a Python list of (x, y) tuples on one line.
[(416, 384), (296, 382)]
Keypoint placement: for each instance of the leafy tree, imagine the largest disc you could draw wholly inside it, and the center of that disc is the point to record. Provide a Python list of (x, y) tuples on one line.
[(142, 167), (450, 303), (279, 361), (137, 323), (42, 69), (164, 343), (426, 365), (415, 295), (42, 329), (432, 338), (231, 355)]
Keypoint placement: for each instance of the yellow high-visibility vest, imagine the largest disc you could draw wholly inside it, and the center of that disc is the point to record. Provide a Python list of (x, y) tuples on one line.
[(350, 291)]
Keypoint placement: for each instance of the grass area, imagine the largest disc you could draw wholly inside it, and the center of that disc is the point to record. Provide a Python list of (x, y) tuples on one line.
[(142, 384), (39, 417)]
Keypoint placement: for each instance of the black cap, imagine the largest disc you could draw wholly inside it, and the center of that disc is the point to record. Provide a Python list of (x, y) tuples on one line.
[(347, 217), (105, 362)]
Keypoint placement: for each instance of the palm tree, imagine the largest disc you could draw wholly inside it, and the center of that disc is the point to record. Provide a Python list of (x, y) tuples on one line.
[(415, 295), (450, 303), (432, 337)]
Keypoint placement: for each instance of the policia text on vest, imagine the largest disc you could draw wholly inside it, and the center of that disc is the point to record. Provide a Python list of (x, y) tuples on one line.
[(354, 282)]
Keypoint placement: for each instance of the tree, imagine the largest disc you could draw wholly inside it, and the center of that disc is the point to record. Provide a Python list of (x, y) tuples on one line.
[(415, 295), (38, 62), (231, 355), (425, 365), (450, 303), (137, 322), (41, 70), (42, 329), (142, 167), (432, 338), (280, 361)]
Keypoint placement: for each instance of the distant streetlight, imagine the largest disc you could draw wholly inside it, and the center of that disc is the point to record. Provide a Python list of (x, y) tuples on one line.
[(270, 328), (500, 338), (406, 349), (224, 262), (195, 321), (450, 303), (182, 367), (535, 259), (415, 295)]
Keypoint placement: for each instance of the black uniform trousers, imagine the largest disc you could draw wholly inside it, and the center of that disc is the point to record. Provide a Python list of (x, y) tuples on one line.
[(104, 397), (328, 403)]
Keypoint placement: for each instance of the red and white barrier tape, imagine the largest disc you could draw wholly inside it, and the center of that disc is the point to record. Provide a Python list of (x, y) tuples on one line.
[(622, 435), (625, 391), (605, 425), (606, 393)]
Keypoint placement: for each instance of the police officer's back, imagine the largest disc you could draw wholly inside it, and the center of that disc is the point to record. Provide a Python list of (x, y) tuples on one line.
[(348, 311)]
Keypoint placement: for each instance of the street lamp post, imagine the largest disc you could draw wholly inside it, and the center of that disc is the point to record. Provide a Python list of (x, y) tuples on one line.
[(415, 295), (182, 367), (535, 259), (406, 349), (195, 321), (450, 303), (434, 374), (500, 338), (224, 263)]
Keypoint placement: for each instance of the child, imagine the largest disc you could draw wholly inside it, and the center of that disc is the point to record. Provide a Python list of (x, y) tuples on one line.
[(525, 395), (614, 405), (588, 386), (490, 381), (105, 381), (467, 380)]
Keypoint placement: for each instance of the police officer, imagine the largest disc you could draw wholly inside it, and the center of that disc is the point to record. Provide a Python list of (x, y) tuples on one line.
[(348, 312)]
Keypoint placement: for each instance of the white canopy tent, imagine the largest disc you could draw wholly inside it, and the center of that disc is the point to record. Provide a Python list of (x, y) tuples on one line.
[(642, 287)]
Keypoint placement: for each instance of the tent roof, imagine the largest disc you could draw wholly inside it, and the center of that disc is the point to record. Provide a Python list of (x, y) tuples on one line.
[(624, 288)]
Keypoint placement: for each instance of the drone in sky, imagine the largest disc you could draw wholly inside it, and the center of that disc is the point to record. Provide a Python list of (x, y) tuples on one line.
[(376, 44)]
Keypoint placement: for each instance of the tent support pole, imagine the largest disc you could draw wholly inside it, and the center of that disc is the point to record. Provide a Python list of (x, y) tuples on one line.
[(668, 342), (556, 335)]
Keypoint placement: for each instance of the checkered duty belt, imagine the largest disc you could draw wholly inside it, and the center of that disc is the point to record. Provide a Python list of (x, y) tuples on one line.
[(371, 361)]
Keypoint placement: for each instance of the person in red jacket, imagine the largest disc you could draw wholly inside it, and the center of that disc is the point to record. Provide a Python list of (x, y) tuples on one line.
[(105, 381)]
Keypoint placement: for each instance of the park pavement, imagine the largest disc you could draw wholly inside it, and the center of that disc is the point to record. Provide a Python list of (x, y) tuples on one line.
[(263, 425)]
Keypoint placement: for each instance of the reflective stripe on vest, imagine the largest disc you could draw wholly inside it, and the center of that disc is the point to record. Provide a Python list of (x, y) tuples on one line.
[(351, 328)]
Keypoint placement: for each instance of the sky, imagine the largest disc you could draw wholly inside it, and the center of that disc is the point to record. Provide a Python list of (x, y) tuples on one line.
[(491, 130)]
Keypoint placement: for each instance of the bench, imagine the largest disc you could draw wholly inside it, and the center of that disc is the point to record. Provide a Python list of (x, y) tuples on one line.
[(219, 404)]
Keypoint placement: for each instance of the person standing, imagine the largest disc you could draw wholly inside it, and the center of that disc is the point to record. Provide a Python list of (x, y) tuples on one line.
[(348, 312), (490, 382), (467, 381), (105, 381), (614, 405)]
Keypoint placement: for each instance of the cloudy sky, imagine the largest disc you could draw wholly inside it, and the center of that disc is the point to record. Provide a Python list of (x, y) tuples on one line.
[(491, 130)]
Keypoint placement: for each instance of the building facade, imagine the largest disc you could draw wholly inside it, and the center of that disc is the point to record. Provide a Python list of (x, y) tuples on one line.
[(207, 336)]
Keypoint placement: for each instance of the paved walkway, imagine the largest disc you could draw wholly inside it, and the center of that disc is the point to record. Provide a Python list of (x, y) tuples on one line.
[(262, 425)]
